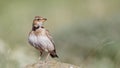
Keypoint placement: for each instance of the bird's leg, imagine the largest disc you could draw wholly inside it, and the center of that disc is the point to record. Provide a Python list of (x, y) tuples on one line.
[(40, 55), (47, 57)]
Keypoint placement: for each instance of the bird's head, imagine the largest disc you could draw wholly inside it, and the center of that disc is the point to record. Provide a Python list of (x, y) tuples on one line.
[(38, 21)]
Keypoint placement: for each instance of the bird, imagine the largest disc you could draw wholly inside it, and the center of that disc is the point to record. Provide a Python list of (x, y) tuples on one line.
[(40, 38)]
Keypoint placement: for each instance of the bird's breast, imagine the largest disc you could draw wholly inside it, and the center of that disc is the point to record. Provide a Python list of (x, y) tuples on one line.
[(41, 40)]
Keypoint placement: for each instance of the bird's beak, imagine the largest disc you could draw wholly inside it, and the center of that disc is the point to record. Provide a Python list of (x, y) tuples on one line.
[(45, 19)]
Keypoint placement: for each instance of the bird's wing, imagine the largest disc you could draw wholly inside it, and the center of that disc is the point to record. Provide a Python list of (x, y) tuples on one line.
[(52, 53), (50, 37)]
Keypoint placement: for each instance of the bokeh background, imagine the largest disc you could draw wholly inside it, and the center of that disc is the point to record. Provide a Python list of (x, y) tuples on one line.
[(86, 32)]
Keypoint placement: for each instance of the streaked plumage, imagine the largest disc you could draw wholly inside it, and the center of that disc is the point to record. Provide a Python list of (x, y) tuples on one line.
[(40, 38)]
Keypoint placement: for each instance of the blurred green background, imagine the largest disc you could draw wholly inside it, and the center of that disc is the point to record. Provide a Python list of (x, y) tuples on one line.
[(86, 32)]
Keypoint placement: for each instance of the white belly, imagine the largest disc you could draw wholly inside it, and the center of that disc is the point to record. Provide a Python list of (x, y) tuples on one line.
[(41, 41)]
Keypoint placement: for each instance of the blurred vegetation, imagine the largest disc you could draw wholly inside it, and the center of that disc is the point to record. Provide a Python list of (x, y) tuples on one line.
[(86, 32)]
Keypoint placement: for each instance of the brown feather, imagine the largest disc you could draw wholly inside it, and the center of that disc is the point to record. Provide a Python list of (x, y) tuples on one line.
[(52, 53)]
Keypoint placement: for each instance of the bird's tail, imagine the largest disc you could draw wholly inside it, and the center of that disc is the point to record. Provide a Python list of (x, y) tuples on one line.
[(53, 54)]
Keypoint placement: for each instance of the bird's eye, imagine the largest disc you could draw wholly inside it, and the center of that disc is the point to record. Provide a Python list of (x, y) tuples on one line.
[(38, 19)]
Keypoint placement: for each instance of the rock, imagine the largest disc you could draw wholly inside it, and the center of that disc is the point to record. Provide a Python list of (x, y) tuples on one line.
[(50, 64)]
